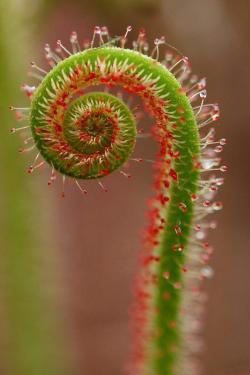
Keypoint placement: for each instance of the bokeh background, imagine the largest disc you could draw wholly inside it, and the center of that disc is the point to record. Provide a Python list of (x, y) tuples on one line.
[(67, 265)]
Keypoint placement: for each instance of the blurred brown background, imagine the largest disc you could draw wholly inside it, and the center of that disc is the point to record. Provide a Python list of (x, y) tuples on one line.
[(96, 238)]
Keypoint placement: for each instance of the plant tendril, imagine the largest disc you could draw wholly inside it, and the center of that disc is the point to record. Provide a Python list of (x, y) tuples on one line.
[(85, 134)]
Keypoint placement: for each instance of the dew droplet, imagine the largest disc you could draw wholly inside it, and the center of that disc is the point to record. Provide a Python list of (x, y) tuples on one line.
[(223, 168), (177, 285), (178, 247), (104, 30), (203, 94), (202, 83), (73, 37), (220, 181), (213, 225), (207, 272), (200, 235), (207, 163), (215, 116), (178, 230), (97, 29), (223, 141), (166, 275), (218, 149), (183, 207), (217, 206)]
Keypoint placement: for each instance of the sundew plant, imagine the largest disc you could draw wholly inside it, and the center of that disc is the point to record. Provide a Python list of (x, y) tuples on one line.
[(83, 124)]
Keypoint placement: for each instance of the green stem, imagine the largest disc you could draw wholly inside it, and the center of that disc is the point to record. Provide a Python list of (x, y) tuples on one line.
[(162, 93), (32, 345)]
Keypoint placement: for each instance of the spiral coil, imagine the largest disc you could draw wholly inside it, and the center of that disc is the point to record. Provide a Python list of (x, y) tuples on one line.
[(87, 134)]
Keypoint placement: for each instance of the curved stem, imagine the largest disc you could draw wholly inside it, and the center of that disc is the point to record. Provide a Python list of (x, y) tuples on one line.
[(88, 136), (179, 140)]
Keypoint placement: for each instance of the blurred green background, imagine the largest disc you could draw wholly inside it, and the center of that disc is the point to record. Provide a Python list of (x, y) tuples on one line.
[(66, 266)]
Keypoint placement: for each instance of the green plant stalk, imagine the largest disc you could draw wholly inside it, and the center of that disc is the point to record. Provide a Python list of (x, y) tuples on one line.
[(57, 84), (32, 347)]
